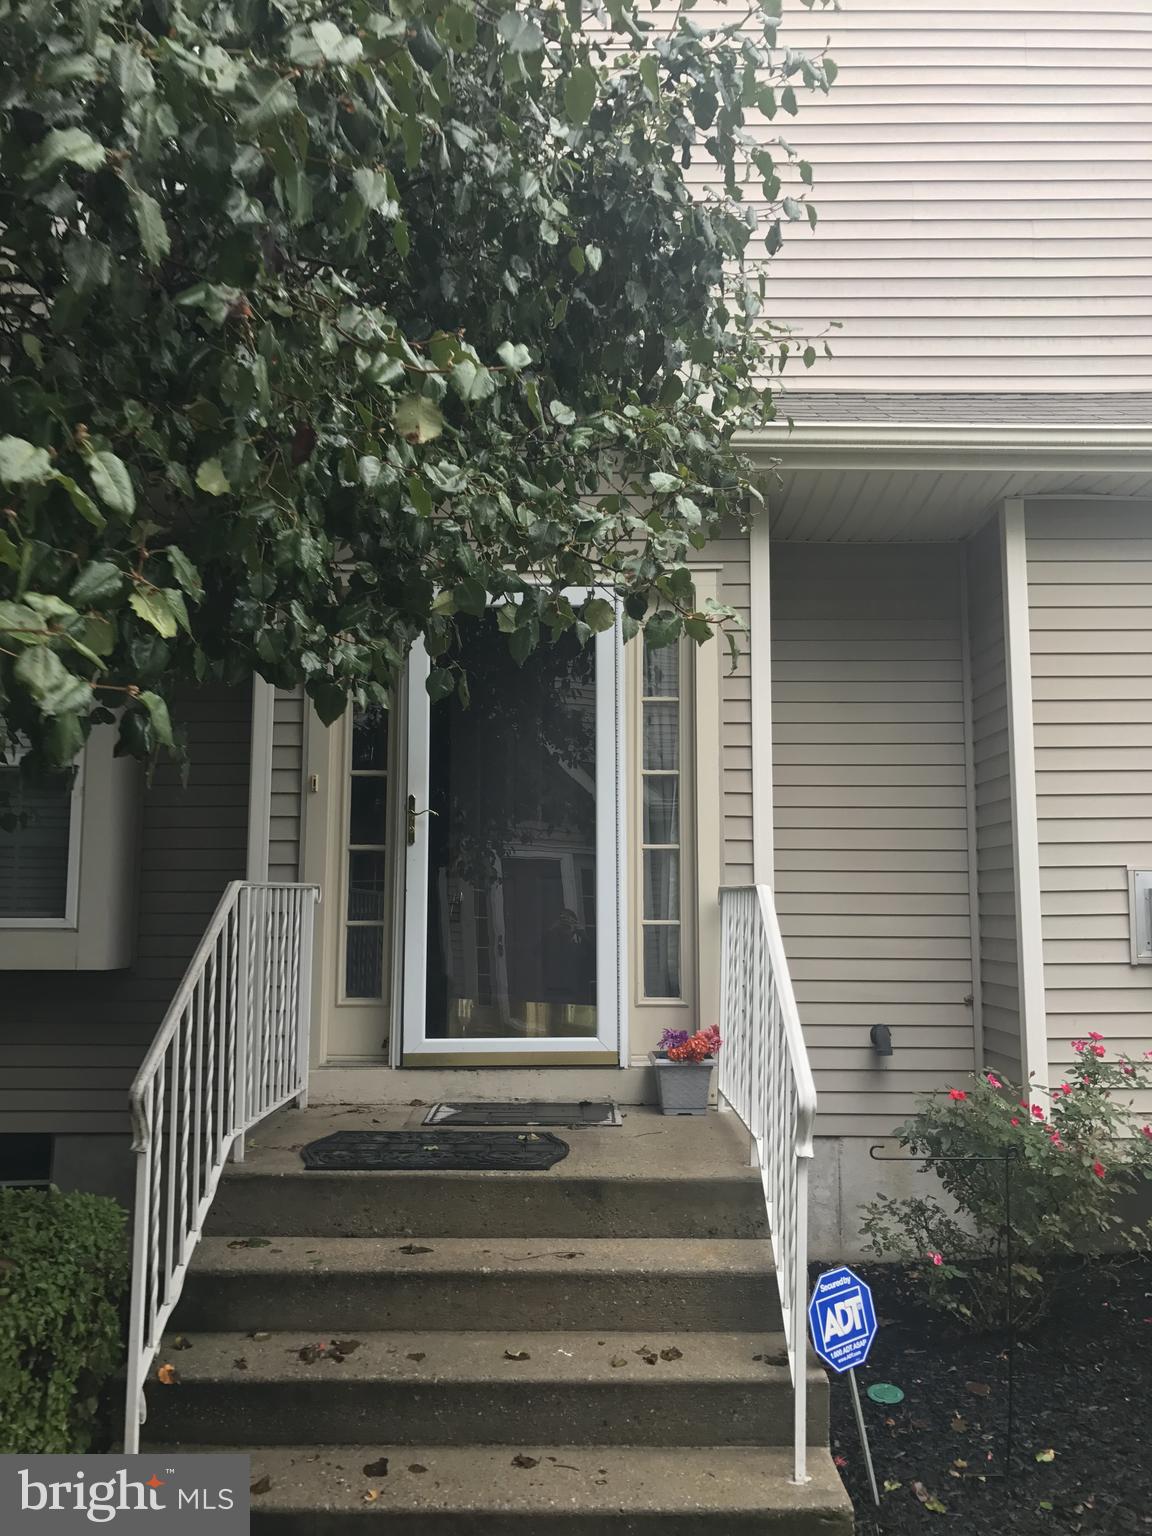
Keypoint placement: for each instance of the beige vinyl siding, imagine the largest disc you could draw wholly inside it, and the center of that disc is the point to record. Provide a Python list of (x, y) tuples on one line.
[(983, 175), (287, 785), (70, 1042), (995, 857), (870, 813), (1090, 612), (730, 556)]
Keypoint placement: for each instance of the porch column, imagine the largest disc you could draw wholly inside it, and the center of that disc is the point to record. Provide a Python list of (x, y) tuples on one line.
[(760, 659)]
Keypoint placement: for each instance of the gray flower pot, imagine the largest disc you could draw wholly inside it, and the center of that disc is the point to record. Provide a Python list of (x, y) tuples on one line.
[(682, 1086)]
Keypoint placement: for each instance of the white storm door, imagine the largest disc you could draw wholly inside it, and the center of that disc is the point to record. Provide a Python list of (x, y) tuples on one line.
[(513, 905)]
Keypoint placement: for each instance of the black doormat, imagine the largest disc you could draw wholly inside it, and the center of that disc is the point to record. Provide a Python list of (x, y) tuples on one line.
[(392, 1150), (533, 1112)]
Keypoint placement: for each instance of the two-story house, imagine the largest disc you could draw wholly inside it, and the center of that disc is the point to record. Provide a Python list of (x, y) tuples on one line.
[(933, 753)]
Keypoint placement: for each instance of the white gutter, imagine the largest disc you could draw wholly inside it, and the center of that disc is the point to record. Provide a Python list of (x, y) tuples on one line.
[(967, 446)]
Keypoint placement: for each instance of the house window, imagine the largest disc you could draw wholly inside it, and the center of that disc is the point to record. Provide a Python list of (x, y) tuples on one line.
[(367, 906), (25, 1160), (661, 801), (39, 849)]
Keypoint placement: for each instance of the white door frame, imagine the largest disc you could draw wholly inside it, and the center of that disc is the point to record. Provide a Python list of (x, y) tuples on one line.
[(611, 1040)]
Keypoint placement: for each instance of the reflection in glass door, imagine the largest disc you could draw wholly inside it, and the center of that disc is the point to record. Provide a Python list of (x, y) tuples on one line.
[(513, 855)]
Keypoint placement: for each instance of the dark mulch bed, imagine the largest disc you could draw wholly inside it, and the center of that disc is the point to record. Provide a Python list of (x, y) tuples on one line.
[(1083, 1391)]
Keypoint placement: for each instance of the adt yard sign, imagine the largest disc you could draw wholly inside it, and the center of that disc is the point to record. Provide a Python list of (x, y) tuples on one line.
[(842, 1318)]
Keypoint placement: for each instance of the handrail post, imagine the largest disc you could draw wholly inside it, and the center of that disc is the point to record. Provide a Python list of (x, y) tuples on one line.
[(134, 1385), (304, 1000), (799, 1321), (242, 1029)]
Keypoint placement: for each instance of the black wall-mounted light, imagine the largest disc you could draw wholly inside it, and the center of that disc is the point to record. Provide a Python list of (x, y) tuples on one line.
[(881, 1038)]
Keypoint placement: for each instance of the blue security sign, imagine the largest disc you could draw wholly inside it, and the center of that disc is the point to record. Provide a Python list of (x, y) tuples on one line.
[(842, 1319)]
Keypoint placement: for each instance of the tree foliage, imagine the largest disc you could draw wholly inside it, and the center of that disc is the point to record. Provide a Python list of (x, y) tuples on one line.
[(321, 324)]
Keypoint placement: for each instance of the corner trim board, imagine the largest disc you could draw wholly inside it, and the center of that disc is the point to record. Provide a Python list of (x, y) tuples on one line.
[(260, 779), (1022, 774), (760, 663)]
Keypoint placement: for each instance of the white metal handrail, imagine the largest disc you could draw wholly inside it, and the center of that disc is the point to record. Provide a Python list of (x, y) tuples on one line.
[(232, 1048), (766, 1078)]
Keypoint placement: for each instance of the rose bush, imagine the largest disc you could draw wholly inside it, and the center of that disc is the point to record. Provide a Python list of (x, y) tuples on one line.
[(1059, 1170)]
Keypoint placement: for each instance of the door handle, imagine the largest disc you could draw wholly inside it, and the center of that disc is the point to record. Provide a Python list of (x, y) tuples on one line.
[(412, 815)]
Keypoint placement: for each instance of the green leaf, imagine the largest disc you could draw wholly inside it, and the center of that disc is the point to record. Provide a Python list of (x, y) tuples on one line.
[(513, 355), (16, 619), (276, 102), (598, 614), (650, 74), (50, 607), (521, 643), (580, 90), (158, 716), (81, 500), (561, 413), (112, 481), (374, 190), (663, 628), (89, 263), (324, 43), (472, 381), (84, 650), (520, 32), (532, 395), (421, 499), (210, 477), (154, 237), (663, 483), (22, 463), (441, 683), (71, 145), (471, 597), (418, 419), (98, 580), (154, 608), (55, 689), (368, 468), (186, 574), (130, 71)]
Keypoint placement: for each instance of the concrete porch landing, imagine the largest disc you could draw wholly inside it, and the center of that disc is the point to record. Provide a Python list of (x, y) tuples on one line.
[(694, 1170), (592, 1349)]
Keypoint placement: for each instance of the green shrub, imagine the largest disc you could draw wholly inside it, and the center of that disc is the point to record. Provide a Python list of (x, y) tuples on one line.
[(63, 1272), (1074, 1160)]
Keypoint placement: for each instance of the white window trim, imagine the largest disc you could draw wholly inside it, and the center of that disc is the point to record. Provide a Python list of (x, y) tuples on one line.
[(70, 919), (685, 848)]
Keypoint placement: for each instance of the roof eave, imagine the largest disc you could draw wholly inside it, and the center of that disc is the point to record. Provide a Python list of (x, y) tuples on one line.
[(967, 446)]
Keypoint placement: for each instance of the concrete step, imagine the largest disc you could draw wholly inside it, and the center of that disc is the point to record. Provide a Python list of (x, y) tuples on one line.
[(464, 1389), (570, 1491), (544, 1204), (650, 1177), (682, 1284)]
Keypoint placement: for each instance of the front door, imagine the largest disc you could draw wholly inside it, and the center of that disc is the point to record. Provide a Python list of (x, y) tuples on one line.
[(512, 893)]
